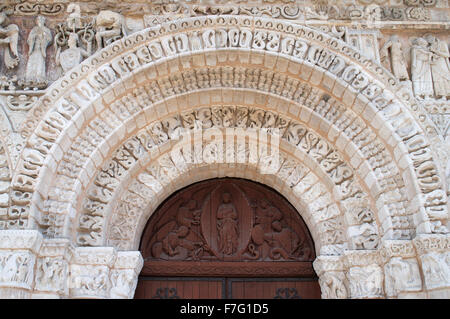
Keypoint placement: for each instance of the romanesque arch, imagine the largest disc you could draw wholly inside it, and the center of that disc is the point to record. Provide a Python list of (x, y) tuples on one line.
[(102, 152)]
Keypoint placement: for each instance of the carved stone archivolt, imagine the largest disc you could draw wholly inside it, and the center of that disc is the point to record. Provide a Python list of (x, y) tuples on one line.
[(91, 154)]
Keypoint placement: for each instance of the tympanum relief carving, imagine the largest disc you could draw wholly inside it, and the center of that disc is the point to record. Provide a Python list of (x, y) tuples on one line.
[(228, 221)]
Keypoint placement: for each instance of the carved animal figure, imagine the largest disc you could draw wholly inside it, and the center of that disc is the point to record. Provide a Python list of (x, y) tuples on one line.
[(110, 27)]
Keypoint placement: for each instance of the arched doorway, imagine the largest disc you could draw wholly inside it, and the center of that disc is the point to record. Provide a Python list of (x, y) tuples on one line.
[(227, 238)]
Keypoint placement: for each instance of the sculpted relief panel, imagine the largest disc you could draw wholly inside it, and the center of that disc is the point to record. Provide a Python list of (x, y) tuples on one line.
[(228, 221), (372, 96)]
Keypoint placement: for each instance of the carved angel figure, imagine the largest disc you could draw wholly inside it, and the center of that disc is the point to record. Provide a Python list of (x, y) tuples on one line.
[(9, 37), (392, 52), (421, 68), (39, 39)]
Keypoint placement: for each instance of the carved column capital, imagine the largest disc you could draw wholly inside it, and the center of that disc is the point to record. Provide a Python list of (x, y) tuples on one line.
[(331, 271), (52, 271), (18, 249), (102, 272), (434, 255)]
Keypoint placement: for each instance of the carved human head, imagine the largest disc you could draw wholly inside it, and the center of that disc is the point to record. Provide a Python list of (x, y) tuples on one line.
[(40, 21), (73, 40), (3, 17), (430, 38), (421, 42), (226, 197)]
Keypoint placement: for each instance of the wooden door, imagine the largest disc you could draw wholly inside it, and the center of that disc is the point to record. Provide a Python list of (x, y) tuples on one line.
[(227, 238)]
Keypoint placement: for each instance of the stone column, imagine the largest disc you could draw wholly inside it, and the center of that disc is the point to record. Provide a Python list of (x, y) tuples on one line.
[(434, 255), (18, 250)]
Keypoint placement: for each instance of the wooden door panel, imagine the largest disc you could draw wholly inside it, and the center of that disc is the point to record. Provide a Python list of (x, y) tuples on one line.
[(180, 288), (272, 289), (227, 238)]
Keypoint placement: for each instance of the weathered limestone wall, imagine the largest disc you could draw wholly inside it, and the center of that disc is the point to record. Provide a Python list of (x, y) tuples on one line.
[(96, 96)]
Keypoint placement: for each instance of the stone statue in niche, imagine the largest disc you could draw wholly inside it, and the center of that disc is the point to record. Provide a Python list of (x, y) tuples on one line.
[(440, 66), (39, 39), (9, 37), (227, 226), (74, 54), (110, 27), (392, 54), (421, 59)]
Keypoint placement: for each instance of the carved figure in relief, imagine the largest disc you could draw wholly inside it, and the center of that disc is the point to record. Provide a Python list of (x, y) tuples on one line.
[(110, 27), (332, 286), (39, 39), (436, 269), (271, 239), (50, 273), (440, 66), (421, 59), (74, 55), (9, 37), (14, 268), (227, 225), (392, 53), (181, 239), (401, 275)]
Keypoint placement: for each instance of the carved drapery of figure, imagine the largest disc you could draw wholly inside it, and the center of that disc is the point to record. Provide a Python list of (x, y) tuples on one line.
[(392, 53), (421, 59), (227, 221), (9, 38), (227, 225), (440, 66), (39, 39), (74, 54)]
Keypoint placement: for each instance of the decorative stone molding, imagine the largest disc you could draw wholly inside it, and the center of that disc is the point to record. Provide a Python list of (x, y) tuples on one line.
[(357, 82), (364, 145)]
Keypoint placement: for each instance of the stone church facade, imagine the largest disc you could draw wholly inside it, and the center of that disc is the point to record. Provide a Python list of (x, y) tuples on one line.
[(98, 98)]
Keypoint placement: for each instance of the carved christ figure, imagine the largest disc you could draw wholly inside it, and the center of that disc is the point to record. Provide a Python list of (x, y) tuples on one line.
[(227, 225), (39, 39), (9, 37), (392, 51), (421, 68)]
